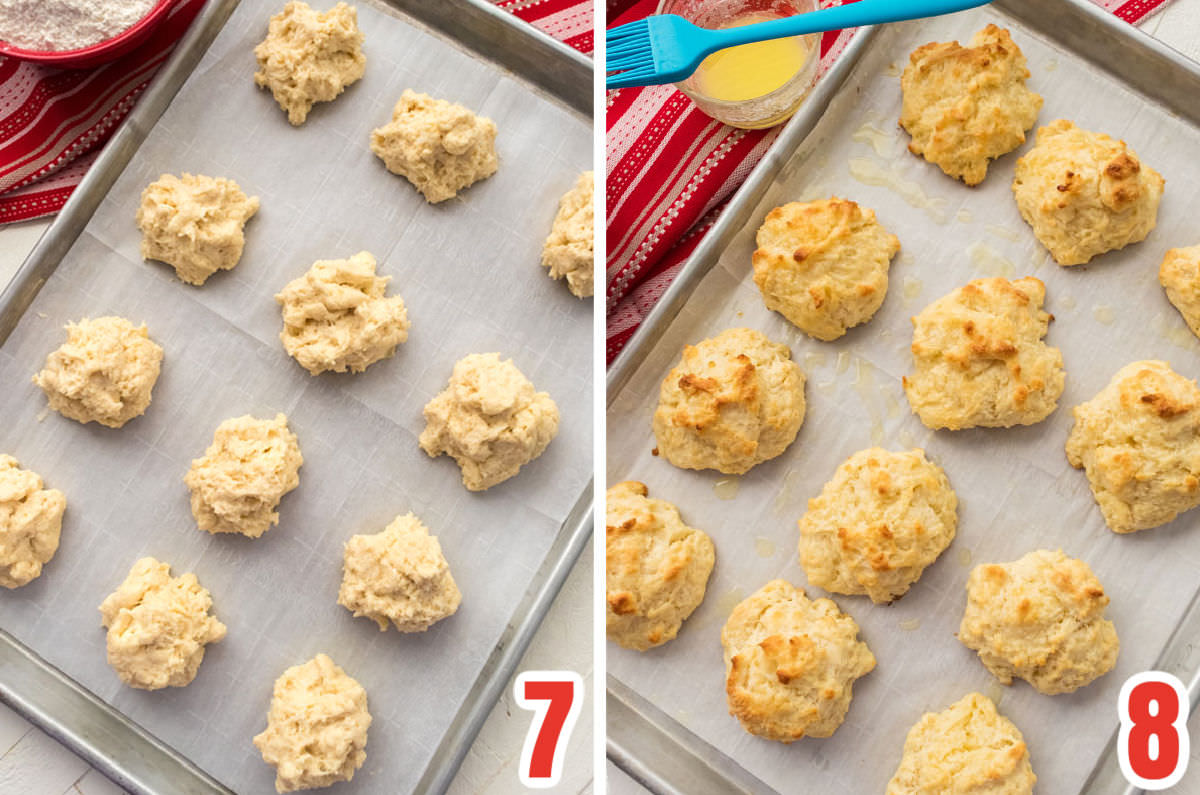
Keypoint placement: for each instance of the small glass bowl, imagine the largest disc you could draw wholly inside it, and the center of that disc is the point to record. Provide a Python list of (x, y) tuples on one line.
[(766, 110)]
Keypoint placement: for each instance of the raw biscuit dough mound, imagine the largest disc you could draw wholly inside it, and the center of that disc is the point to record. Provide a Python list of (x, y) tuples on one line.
[(336, 316), (103, 373), (317, 725), (1084, 193), (964, 106), (158, 626), (733, 401), (30, 523), (1179, 275), (1138, 440), (1041, 619), (823, 265), (438, 146), (489, 420), (656, 568), (399, 575), (966, 749), (875, 527), (194, 224), (238, 482), (790, 663), (309, 57), (568, 251), (980, 359)]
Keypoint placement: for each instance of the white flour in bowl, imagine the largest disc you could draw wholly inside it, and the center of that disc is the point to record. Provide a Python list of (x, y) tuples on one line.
[(57, 25)]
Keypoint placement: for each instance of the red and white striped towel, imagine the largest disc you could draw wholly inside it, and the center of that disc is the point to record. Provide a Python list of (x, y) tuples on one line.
[(671, 169)]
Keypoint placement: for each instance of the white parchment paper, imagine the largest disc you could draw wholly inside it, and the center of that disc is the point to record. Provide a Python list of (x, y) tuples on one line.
[(469, 274), (1016, 490)]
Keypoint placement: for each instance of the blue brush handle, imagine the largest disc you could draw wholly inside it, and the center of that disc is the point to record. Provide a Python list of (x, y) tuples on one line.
[(853, 15)]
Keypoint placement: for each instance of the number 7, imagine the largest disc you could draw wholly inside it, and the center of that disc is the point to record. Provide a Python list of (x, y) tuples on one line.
[(556, 698)]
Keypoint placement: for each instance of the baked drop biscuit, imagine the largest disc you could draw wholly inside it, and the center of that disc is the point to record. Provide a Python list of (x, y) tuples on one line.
[(733, 401), (823, 265), (1041, 619), (980, 360), (656, 568), (1138, 440), (964, 106), (1179, 275), (790, 663)]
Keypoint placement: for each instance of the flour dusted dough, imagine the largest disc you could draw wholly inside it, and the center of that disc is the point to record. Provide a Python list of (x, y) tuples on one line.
[(1084, 193), (874, 528), (238, 482), (194, 224), (489, 420), (438, 146), (823, 265), (656, 568), (317, 725), (966, 749), (568, 251), (30, 523), (1040, 618), (1179, 275), (790, 663), (980, 360), (1138, 440), (399, 575), (103, 373), (964, 106), (336, 316), (732, 402), (309, 57), (158, 626)]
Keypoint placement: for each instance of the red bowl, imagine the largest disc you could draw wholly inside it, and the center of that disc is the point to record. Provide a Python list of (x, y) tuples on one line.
[(99, 53)]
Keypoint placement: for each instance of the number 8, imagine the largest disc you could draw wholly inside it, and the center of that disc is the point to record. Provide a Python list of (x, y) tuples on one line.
[(1152, 747)]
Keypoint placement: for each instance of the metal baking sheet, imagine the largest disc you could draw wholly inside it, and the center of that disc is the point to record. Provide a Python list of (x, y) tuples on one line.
[(1017, 492), (468, 271)]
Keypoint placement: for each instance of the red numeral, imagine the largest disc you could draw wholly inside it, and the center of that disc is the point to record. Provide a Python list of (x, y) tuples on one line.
[(555, 698), (1153, 744)]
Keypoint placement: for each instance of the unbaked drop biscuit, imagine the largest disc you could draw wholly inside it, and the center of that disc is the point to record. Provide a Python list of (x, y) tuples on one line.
[(568, 250), (158, 626), (438, 146), (30, 523), (309, 56), (733, 401), (317, 726), (1138, 440), (237, 484), (790, 663), (823, 265), (966, 749), (656, 567), (103, 373), (1085, 193), (980, 359), (1041, 619), (336, 317), (398, 575), (964, 106), (1179, 275), (874, 528)]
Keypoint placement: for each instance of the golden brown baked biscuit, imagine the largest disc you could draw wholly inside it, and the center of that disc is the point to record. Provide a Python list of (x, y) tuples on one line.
[(656, 568), (1041, 619), (966, 749), (823, 265), (1084, 193), (1179, 275), (30, 523), (733, 401), (1138, 440), (964, 106), (980, 360), (875, 527), (790, 663)]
